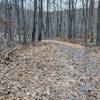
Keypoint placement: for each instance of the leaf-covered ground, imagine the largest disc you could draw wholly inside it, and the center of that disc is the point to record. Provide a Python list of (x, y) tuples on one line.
[(51, 70)]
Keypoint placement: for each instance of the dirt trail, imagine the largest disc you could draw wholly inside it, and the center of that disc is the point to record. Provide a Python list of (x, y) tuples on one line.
[(64, 43), (50, 70)]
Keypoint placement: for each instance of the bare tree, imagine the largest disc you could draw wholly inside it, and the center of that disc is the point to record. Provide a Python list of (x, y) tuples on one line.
[(98, 25), (91, 18), (34, 24), (47, 19), (23, 21), (85, 4), (40, 19)]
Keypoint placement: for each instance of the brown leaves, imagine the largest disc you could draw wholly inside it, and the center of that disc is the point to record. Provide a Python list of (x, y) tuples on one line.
[(48, 71)]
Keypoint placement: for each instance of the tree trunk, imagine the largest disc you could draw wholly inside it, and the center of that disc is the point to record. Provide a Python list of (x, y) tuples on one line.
[(34, 24), (40, 20), (98, 26), (91, 18), (23, 21)]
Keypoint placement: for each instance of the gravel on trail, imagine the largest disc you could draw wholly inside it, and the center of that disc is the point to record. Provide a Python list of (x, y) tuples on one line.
[(50, 70)]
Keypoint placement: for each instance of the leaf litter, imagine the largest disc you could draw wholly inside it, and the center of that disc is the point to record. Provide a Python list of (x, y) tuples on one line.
[(50, 70)]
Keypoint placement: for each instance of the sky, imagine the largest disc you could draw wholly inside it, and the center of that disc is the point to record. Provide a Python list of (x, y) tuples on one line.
[(30, 4)]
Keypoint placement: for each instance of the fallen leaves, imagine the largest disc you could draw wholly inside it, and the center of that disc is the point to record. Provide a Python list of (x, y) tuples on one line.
[(49, 71)]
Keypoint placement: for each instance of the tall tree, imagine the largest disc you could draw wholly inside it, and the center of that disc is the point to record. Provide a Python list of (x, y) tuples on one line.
[(85, 4), (23, 21), (98, 25), (60, 25), (74, 4), (91, 18), (70, 19), (16, 2), (6, 16), (57, 32), (47, 19), (34, 24), (40, 19)]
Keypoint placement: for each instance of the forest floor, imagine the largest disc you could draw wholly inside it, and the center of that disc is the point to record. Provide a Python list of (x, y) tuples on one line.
[(51, 70)]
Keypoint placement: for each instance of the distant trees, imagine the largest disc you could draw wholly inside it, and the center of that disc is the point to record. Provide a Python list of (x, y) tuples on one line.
[(33, 19)]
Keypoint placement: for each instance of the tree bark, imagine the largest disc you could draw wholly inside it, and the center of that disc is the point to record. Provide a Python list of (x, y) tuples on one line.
[(40, 20), (34, 24), (98, 26)]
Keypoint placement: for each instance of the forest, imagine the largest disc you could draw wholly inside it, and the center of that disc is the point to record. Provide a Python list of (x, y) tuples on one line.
[(49, 49)]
